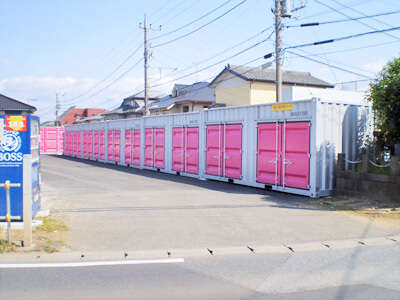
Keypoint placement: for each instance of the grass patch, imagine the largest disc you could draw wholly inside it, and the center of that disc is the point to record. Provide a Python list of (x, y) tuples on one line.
[(4, 247), (51, 225)]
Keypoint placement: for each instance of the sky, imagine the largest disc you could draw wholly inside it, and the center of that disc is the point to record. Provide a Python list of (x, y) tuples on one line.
[(91, 52)]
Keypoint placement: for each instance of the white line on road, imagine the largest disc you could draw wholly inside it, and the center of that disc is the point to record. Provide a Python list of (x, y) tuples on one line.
[(92, 263)]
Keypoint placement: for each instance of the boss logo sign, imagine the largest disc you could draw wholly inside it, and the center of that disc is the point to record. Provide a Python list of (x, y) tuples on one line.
[(10, 146)]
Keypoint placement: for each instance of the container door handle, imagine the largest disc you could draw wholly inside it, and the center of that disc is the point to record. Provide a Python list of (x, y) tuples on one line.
[(227, 157), (217, 156), (272, 161), (288, 163), (187, 155)]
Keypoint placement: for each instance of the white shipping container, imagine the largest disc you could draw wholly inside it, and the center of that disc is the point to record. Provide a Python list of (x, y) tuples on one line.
[(289, 147)]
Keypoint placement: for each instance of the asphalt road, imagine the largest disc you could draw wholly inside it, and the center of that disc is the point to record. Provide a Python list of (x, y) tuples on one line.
[(358, 274), (116, 208)]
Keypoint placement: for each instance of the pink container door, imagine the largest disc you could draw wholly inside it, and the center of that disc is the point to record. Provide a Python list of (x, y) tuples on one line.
[(117, 145), (214, 150), (178, 152), (136, 147), (79, 143), (233, 151), (192, 150), (297, 150), (110, 145), (102, 142), (90, 144), (85, 153), (41, 140), (149, 147), (69, 142), (61, 140), (268, 153), (96, 142), (128, 146), (159, 148), (75, 146)]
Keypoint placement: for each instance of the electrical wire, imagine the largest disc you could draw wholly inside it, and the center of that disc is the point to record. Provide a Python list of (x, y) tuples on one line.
[(342, 13), (201, 27), (91, 89), (190, 23), (335, 67), (343, 20), (343, 38), (110, 83)]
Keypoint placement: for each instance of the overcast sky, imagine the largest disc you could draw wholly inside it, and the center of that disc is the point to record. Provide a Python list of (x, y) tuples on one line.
[(91, 51)]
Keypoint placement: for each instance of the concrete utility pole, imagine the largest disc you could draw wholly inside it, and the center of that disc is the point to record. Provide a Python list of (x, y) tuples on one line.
[(58, 106), (278, 50), (146, 57), (282, 10)]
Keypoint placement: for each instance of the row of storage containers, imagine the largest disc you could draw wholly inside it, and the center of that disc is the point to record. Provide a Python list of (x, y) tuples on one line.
[(288, 147)]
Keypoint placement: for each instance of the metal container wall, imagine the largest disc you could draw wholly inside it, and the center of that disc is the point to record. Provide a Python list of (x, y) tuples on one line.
[(240, 144), (52, 140)]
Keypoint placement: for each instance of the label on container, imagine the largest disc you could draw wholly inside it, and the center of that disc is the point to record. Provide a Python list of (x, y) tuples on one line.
[(16, 123), (279, 107)]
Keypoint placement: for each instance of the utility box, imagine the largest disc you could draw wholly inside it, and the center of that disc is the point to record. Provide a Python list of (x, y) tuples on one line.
[(19, 135)]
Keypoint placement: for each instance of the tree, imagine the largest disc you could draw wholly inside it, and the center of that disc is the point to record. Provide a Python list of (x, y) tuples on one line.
[(385, 98)]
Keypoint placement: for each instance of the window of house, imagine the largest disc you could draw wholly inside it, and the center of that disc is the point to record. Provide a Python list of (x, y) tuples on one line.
[(185, 108), (164, 112), (157, 112)]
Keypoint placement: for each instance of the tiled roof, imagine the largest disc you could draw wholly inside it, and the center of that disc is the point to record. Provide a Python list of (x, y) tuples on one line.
[(268, 75), (199, 91), (9, 104)]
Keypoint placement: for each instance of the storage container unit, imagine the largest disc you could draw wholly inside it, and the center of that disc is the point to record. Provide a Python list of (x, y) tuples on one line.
[(52, 140), (289, 147)]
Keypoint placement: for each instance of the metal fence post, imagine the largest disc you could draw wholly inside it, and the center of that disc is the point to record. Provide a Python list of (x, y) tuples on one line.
[(27, 199), (7, 185)]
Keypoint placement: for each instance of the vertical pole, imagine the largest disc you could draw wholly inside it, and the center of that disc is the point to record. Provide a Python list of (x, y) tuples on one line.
[(8, 207), (57, 107), (146, 85), (27, 199), (278, 53)]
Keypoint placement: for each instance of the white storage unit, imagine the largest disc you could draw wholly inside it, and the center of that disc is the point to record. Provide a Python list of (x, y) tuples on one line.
[(289, 147)]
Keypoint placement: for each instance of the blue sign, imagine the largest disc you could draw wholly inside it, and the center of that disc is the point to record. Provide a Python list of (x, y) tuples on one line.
[(21, 136)]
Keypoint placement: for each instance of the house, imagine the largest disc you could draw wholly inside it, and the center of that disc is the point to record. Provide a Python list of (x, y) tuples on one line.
[(14, 107), (242, 85), (184, 98), (130, 106), (73, 114)]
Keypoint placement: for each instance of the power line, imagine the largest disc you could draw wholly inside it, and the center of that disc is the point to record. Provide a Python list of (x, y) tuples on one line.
[(361, 13), (91, 89), (343, 20), (188, 24), (331, 66), (353, 18), (343, 38), (110, 83), (193, 31), (241, 52)]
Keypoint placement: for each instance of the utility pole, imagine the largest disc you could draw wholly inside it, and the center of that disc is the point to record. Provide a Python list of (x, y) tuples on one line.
[(58, 106), (278, 50), (282, 10), (146, 57)]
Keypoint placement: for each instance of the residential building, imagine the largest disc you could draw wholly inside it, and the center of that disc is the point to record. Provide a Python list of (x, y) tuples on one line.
[(14, 107), (73, 114), (130, 106), (242, 85), (184, 98)]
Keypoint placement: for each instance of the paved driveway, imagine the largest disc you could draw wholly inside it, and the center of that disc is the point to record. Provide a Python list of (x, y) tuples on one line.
[(115, 208)]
